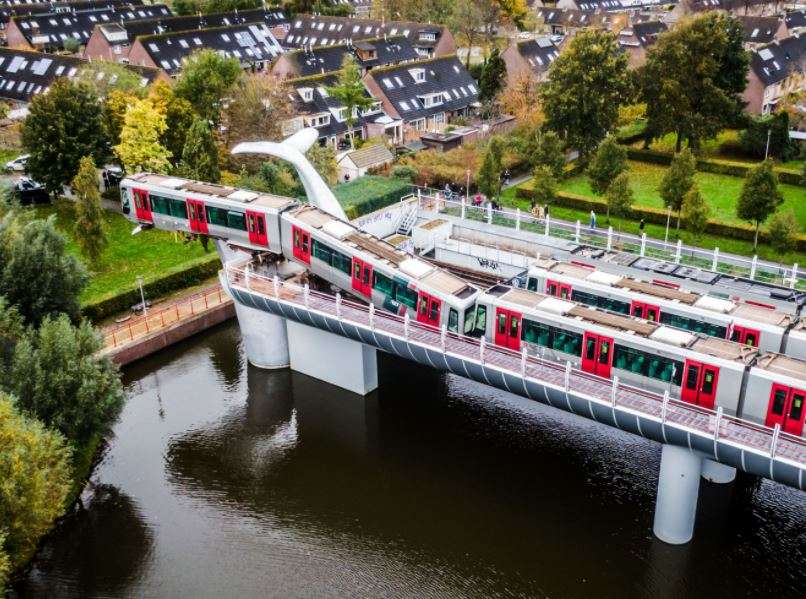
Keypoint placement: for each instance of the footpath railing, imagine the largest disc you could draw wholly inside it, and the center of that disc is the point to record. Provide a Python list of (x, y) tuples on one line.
[(771, 442), (163, 316), (608, 239)]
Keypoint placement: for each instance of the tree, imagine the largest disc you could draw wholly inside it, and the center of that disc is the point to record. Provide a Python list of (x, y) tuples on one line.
[(550, 152), (694, 77), (608, 163), (493, 74), (259, 107), (520, 99), (140, 148), (90, 227), (62, 126), (71, 45), (206, 80), (57, 376), (12, 330), (544, 186), (677, 181), (467, 20), (695, 211), (489, 177), (769, 135), (179, 116), (760, 196), (783, 232), (37, 275), (113, 113), (104, 77), (619, 196), (5, 563), (588, 82), (350, 93), (35, 475), (200, 154), (323, 159)]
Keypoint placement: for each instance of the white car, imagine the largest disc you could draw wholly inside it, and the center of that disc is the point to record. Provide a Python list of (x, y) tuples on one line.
[(18, 164)]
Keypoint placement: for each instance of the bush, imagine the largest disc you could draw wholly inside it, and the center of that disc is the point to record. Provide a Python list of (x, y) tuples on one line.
[(404, 172), (370, 193), (753, 140)]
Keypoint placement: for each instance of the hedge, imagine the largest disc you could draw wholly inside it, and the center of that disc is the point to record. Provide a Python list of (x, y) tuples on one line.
[(369, 193), (656, 216), (167, 283), (709, 165)]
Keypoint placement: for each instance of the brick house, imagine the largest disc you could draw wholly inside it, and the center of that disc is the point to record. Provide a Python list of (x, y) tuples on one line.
[(776, 70)]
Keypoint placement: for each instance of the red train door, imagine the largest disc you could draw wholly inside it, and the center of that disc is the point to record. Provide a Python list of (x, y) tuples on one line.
[(197, 216), (645, 311), (597, 354), (302, 244), (508, 328), (362, 277), (786, 408), (428, 309), (256, 226), (745, 335), (142, 205), (699, 383)]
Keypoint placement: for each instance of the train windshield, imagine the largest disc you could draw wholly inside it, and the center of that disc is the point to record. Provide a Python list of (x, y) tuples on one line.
[(476, 321)]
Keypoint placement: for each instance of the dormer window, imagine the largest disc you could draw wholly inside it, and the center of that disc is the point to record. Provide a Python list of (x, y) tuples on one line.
[(430, 100), (306, 93), (418, 75)]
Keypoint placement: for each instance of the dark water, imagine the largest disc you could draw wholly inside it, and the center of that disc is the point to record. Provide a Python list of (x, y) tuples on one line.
[(223, 480)]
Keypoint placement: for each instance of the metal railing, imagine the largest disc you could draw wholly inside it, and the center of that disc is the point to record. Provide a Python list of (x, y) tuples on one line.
[(162, 317), (763, 440), (608, 239)]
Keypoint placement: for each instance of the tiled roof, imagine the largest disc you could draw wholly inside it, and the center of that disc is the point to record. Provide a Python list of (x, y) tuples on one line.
[(539, 53), (248, 42), (324, 59), (52, 29), (759, 30), (24, 73), (369, 156), (774, 62), (569, 17), (10, 8), (620, 5), (642, 34), (442, 84), (795, 19)]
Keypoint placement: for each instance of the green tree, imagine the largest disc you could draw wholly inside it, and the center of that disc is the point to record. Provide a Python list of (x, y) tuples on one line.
[(772, 128), (466, 19), (323, 159), (12, 330), (62, 126), (71, 45), (488, 179), (608, 163), (588, 82), (760, 196), (200, 154), (206, 80), (104, 76), (695, 211), (678, 180), (34, 482), (783, 231), (349, 91), (694, 77), (90, 227), (544, 186), (5, 563), (57, 376), (113, 113), (619, 196), (493, 75), (550, 152), (37, 275), (140, 148)]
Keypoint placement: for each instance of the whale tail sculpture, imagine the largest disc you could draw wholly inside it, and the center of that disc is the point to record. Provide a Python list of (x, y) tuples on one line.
[(293, 151)]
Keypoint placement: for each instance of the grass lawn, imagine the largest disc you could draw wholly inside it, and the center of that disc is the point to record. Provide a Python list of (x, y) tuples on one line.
[(149, 254), (721, 191)]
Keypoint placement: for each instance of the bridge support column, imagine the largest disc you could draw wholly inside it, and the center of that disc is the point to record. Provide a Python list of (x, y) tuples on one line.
[(678, 490), (337, 360), (714, 472)]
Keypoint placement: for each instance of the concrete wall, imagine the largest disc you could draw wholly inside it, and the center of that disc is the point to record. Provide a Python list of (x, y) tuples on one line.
[(383, 222)]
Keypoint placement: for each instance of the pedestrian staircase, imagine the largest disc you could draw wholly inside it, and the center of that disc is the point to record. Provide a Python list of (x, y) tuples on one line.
[(407, 222)]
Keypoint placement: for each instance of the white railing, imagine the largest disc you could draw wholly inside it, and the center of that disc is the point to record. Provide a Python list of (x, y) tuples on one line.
[(747, 435)]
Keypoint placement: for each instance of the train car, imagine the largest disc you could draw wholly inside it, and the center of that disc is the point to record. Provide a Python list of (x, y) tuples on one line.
[(753, 324), (776, 393)]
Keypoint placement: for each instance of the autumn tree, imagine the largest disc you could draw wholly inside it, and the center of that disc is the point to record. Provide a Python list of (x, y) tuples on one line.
[(543, 186), (113, 112), (140, 148), (349, 91), (783, 232), (104, 77), (260, 105), (588, 82), (179, 116), (619, 196), (520, 99), (206, 80), (695, 211), (678, 180), (467, 20), (608, 163), (323, 159), (760, 196), (90, 227)]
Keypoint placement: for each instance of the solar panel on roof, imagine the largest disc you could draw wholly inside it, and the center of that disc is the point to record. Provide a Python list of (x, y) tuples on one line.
[(41, 67)]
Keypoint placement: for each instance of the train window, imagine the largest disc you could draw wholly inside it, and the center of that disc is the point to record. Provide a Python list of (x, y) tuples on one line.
[(502, 323), (797, 406), (693, 377), (236, 220), (708, 381), (689, 324), (654, 367), (470, 319), (480, 327), (590, 348), (535, 332), (177, 208), (453, 320), (216, 216), (382, 283), (160, 205), (531, 284), (434, 310), (604, 352), (341, 262), (405, 295), (566, 342), (778, 401)]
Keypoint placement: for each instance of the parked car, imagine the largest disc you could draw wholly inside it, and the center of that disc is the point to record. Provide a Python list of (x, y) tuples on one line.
[(18, 164), (29, 192), (112, 176)]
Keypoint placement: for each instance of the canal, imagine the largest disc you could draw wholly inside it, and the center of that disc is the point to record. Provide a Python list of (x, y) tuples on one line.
[(224, 480)]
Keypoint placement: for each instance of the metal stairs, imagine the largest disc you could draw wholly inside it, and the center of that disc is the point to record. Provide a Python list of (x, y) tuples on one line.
[(407, 222)]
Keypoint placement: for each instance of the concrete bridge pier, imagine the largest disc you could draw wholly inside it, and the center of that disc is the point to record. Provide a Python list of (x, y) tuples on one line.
[(678, 490), (714, 472)]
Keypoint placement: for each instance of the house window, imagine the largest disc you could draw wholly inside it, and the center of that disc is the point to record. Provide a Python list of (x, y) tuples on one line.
[(306, 93), (418, 75)]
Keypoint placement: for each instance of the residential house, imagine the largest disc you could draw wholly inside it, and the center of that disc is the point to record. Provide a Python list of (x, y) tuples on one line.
[(795, 21), (425, 95), (326, 59), (637, 39), (355, 163), (113, 41), (311, 30), (776, 70), (26, 73), (759, 31), (530, 59), (360, 8), (567, 21), (614, 5), (251, 43), (12, 8), (736, 7), (49, 31)]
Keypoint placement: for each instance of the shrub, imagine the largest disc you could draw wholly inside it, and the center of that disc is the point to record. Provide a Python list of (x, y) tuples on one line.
[(404, 172)]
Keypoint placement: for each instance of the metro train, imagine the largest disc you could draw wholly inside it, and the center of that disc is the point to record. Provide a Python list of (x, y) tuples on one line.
[(765, 387), (748, 322)]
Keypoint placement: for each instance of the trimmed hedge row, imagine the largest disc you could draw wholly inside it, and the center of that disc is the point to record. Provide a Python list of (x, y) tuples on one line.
[(167, 283), (369, 193), (708, 165), (656, 216)]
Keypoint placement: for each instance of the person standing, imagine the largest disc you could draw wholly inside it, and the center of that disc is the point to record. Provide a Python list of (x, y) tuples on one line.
[(593, 220), (641, 227)]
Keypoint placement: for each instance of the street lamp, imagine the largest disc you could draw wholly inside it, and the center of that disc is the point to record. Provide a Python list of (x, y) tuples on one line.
[(467, 187), (668, 217), (142, 295)]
